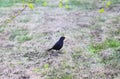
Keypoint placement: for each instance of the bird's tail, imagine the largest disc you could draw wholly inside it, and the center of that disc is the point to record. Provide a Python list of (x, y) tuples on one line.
[(49, 49)]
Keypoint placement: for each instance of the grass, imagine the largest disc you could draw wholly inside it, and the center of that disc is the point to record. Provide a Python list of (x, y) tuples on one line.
[(6, 3), (83, 4), (25, 20), (36, 69), (61, 73), (79, 4), (115, 1), (109, 43), (65, 76), (62, 76), (116, 57), (116, 20), (76, 54), (112, 61), (20, 35), (24, 38), (1, 29), (117, 32)]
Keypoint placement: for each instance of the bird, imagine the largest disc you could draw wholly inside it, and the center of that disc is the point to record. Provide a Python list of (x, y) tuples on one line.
[(58, 45)]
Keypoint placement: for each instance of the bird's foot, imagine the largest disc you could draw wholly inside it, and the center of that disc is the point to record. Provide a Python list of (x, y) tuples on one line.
[(54, 53), (59, 52)]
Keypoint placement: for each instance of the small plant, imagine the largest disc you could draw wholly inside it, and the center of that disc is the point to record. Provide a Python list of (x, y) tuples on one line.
[(44, 3), (46, 66)]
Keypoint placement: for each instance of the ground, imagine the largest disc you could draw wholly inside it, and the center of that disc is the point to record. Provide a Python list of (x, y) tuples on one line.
[(24, 41)]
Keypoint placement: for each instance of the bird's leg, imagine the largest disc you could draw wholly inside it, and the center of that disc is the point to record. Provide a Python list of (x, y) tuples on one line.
[(54, 53), (58, 51)]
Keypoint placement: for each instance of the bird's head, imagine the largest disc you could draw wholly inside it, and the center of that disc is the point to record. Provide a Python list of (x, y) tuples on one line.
[(62, 38)]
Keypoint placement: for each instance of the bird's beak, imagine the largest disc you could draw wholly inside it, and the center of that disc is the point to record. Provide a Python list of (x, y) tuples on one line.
[(65, 39)]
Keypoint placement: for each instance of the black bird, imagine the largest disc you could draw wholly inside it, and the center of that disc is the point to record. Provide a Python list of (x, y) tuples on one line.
[(59, 44)]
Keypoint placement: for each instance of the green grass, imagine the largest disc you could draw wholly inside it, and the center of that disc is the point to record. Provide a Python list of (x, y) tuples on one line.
[(116, 57), (63, 76), (24, 38), (117, 32), (25, 20), (39, 2), (6, 3), (115, 1), (113, 60), (116, 20), (1, 29), (36, 69), (79, 4), (76, 55), (60, 73), (20, 35), (109, 43), (83, 4), (17, 32)]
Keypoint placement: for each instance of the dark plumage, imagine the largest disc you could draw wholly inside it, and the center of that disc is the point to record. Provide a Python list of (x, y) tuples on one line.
[(58, 45)]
